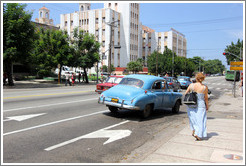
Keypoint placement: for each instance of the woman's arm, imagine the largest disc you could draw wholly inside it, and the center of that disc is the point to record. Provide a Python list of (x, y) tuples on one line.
[(188, 89), (206, 97)]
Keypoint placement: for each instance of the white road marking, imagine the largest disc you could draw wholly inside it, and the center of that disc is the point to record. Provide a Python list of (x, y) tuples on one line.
[(102, 133), (16, 109), (22, 117), (52, 123)]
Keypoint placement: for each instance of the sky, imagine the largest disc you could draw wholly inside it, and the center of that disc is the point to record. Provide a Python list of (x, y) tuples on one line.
[(208, 26)]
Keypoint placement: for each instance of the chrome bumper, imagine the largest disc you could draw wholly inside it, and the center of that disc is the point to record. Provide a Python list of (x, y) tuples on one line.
[(118, 105)]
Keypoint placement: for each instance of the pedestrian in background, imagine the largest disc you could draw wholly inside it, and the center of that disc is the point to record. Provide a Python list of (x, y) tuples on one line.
[(73, 79), (4, 78), (198, 114), (79, 76), (241, 85), (67, 79)]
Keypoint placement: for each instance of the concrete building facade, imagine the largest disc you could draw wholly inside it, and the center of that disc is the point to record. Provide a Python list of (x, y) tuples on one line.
[(120, 24)]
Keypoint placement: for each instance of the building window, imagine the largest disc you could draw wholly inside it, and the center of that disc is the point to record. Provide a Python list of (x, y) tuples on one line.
[(96, 20), (116, 4), (88, 7), (65, 23), (41, 14), (103, 19), (109, 5), (87, 21), (103, 43), (47, 15), (71, 23)]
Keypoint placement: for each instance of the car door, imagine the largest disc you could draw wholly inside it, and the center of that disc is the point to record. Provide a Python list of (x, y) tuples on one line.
[(167, 97), (158, 93)]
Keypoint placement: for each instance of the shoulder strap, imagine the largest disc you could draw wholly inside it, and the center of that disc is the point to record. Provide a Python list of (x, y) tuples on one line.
[(204, 88)]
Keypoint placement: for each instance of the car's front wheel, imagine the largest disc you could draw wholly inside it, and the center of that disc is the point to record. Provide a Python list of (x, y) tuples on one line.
[(147, 111), (113, 109), (176, 107)]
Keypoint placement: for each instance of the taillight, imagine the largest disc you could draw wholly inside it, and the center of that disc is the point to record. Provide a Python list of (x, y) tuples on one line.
[(145, 91), (170, 83)]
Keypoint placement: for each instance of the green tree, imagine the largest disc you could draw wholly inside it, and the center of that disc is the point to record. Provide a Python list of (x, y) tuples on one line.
[(51, 48), (235, 49), (214, 66), (18, 36), (135, 66), (85, 50), (163, 61), (199, 63)]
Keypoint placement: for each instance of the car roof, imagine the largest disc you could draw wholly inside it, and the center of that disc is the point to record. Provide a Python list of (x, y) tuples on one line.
[(118, 76), (145, 78), (183, 77)]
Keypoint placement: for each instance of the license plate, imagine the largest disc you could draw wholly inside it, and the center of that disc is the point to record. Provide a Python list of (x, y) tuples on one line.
[(114, 100)]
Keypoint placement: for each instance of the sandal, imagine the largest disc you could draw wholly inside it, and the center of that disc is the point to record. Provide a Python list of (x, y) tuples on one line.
[(197, 138)]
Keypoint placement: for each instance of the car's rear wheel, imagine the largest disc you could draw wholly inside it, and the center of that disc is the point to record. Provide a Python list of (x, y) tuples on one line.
[(176, 107), (147, 111), (113, 109)]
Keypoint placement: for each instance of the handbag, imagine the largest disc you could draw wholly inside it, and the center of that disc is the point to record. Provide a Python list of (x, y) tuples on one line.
[(190, 98)]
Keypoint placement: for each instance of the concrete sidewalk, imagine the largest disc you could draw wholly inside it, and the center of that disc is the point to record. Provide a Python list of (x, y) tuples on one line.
[(224, 145)]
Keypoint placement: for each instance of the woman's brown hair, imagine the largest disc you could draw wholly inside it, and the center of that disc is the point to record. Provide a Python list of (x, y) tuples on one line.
[(200, 77)]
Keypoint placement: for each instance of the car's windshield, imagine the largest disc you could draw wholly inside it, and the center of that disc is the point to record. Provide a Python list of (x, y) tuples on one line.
[(110, 80), (117, 80), (183, 79), (132, 82)]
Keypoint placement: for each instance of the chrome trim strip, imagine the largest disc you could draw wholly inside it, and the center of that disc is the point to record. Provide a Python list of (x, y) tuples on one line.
[(120, 105)]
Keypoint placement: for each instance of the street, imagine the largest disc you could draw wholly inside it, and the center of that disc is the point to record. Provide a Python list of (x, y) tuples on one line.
[(67, 125)]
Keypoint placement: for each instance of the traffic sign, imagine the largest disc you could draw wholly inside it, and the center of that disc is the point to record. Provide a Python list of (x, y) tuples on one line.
[(236, 65)]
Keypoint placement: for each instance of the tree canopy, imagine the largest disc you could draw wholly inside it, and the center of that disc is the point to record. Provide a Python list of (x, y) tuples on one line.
[(51, 48), (236, 49), (18, 36), (85, 50)]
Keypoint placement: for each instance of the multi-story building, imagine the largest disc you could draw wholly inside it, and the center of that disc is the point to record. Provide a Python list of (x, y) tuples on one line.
[(119, 24), (116, 22), (158, 41)]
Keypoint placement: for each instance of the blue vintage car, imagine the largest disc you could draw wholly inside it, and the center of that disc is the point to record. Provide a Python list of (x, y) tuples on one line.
[(184, 81), (141, 92)]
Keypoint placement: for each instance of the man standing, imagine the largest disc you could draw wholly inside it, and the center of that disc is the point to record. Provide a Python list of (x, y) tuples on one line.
[(67, 79), (79, 76)]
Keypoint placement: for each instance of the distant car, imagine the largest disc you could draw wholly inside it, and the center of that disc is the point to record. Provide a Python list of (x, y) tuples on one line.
[(173, 83), (184, 81), (141, 92), (110, 82)]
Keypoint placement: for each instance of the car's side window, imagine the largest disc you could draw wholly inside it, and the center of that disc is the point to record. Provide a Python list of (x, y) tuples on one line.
[(157, 85)]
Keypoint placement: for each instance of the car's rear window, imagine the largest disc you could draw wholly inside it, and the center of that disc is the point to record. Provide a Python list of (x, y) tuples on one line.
[(132, 82)]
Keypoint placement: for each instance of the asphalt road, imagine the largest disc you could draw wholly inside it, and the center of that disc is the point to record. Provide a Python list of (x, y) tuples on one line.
[(67, 125)]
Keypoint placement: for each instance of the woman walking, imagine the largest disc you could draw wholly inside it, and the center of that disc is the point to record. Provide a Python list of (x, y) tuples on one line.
[(197, 114)]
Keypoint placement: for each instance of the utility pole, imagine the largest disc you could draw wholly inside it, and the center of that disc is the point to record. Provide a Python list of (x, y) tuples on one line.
[(156, 64), (173, 65), (110, 43)]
